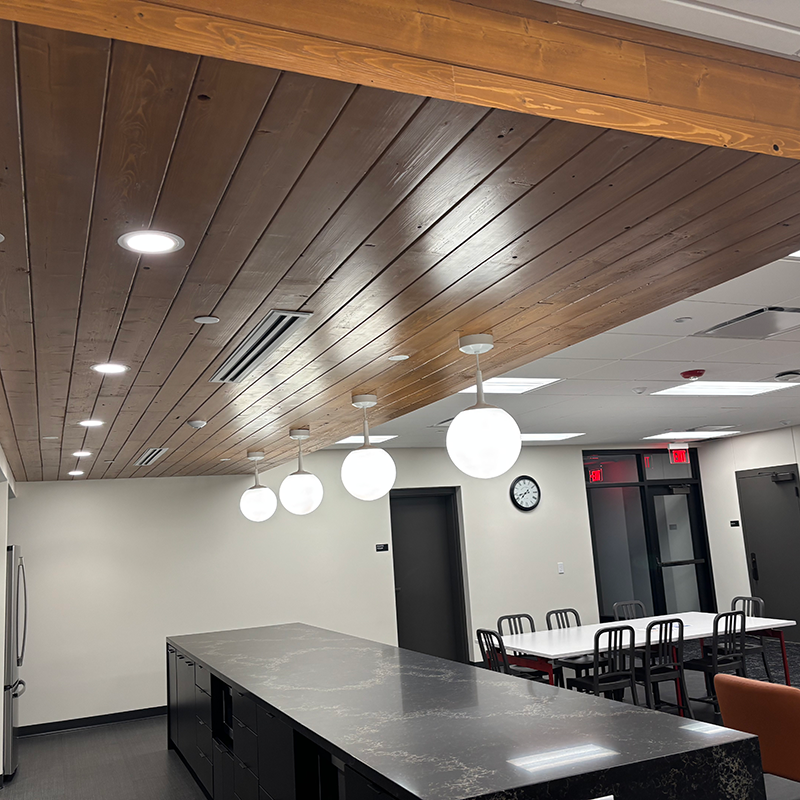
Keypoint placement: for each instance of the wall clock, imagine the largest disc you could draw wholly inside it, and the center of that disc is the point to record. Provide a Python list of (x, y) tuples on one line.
[(525, 493)]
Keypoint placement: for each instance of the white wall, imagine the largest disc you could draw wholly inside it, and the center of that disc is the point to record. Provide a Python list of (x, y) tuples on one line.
[(115, 566), (719, 462)]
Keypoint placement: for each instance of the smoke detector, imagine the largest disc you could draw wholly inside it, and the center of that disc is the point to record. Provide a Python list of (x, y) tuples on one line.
[(197, 423)]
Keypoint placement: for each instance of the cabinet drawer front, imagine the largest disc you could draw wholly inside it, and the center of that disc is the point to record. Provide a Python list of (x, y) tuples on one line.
[(244, 709), (204, 738), (202, 677), (245, 745), (205, 770), (202, 704), (276, 757), (245, 783)]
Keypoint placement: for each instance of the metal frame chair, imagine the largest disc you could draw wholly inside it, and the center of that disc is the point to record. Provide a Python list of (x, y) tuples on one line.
[(662, 660), (726, 654), (564, 617), (629, 609), (614, 662), (753, 607), (539, 668)]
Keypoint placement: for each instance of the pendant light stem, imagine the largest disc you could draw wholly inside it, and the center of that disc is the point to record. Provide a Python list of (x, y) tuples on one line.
[(479, 379), (257, 484), (366, 429), (300, 455)]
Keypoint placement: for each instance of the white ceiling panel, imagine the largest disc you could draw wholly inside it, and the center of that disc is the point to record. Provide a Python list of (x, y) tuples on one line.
[(613, 346), (556, 367), (768, 351), (702, 316), (776, 286), (768, 25), (689, 350)]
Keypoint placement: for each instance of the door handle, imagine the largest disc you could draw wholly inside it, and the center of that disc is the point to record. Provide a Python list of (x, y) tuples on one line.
[(22, 581), (754, 566), (20, 690)]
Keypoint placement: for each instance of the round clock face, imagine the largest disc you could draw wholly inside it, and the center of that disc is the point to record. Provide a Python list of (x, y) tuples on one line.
[(525, 493)]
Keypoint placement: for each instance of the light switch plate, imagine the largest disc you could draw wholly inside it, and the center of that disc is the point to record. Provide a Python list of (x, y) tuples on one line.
[(560, 567)]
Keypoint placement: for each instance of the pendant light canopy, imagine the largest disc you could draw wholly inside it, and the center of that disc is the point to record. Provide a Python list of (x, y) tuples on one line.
[(258, 503), (368, 472), (301, 492), (483, 441)]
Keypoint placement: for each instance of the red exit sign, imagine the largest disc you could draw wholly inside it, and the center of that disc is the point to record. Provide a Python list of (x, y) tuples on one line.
[(678, 456), (596, 475)]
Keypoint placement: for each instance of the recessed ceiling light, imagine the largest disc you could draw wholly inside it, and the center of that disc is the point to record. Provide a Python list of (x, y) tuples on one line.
[(549, 437), (691, 435), (2, 238), (81, 453), (398, 358), (721, 388), (109, 461), (76, 472), (150, 242), (110, 369), (360, 439), (50, 438), (206, 320), (91, 423), (224, 459), (197, 423), (511, 385)]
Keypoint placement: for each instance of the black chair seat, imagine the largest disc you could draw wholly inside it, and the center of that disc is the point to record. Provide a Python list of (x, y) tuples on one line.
[(610, 682), (706, 664)]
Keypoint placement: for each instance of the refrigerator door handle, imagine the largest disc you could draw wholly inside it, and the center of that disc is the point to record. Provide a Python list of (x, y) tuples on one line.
[(20, 689), (23, 582)]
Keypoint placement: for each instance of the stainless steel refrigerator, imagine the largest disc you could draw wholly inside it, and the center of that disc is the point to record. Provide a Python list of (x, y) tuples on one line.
[(16, 635)]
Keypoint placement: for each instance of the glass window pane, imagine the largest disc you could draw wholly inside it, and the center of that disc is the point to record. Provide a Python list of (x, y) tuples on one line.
[(676, 544), (620, 547), (610, 468), (659, 466)]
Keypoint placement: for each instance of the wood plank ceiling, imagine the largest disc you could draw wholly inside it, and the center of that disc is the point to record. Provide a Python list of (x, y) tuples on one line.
[(399, 221)]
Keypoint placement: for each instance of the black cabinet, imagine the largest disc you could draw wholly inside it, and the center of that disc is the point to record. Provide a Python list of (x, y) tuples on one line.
[(245, 745), (245, 783), (185, 691), (223, 773), (276, 770), (172, 694), (244, 709), (357, 787)]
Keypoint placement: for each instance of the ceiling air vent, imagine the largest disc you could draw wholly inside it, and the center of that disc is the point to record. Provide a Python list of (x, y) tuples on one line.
[(256, 348), (150, 456), (762, 324)]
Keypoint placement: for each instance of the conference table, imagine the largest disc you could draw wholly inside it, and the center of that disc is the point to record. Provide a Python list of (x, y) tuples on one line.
[(549, 646)]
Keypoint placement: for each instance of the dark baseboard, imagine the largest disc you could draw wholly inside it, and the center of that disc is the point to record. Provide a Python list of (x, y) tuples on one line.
[(88, 722)]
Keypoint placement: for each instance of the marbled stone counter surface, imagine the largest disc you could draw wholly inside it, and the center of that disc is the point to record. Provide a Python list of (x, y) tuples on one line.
[(422, 727)]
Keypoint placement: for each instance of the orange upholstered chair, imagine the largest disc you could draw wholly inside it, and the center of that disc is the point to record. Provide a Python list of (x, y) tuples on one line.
[(769, 710)]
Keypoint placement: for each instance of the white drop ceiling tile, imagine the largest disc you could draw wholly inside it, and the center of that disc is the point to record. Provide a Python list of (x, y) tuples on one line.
[(613, 346), (705, 20), (689, 350), (777, 284), (635, 371), (555, 367), (768, 351), (784, 11), (703, 315)]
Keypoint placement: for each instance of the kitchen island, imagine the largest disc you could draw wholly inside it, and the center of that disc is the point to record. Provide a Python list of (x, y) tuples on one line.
[(294, 712)]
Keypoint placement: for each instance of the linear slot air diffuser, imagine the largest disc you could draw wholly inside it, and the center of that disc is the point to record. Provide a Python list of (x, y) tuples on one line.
[(761, 324), (150, 456), (268, 335)]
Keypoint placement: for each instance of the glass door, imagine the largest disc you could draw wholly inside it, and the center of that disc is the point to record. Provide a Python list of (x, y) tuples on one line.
[(682, 578)]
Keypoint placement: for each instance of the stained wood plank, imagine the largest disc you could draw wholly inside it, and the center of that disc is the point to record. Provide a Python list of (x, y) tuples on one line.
[(225, 103), (147, 92), (62, 93), (19, 433), (452, 50)]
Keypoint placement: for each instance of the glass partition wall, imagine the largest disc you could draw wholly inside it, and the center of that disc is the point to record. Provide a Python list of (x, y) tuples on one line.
[(648, 531)]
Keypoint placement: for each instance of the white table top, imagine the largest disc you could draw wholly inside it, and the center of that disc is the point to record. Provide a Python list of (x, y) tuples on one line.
[(567, 642)]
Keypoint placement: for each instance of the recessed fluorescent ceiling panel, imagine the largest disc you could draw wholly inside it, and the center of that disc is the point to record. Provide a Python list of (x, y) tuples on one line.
[(724, 388), (360, 439), (762, 324), (511, 385), (549, 437), (692, 435)]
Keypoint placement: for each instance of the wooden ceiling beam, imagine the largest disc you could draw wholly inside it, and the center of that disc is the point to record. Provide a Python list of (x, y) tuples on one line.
[(511, 54)]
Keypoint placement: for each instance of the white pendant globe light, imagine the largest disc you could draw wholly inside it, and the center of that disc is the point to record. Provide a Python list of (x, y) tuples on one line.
[(258, 503), (301, 492), (368, 472), (483, 441)]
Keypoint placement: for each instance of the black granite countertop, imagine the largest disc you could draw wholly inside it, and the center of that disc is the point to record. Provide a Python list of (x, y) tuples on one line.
[(442, 731)]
